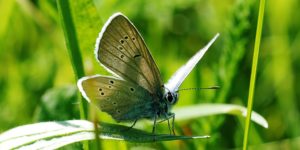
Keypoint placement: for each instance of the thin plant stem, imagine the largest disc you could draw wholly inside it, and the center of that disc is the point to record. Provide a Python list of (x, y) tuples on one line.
[(253, 72), (73, 49)]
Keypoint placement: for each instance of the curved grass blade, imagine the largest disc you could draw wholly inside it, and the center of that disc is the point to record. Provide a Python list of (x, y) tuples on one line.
[(52, 135), (201, 110)]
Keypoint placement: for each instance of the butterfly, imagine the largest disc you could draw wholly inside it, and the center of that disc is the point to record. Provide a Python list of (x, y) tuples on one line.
[(135, 91)]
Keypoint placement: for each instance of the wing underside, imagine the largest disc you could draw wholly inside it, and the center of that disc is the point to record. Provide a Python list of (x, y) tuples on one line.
[(124, 101)]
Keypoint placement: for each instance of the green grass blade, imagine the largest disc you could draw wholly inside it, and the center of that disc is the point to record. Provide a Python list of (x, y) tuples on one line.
[(72, 45), (70, 37), (73, 50), (253, 71)]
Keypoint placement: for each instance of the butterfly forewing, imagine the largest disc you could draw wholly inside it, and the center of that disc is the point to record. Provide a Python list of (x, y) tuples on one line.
[(122, 50), (124, 101)]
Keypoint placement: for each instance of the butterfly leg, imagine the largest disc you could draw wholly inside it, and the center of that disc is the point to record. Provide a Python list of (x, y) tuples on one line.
[(167, 118), (154, 127), (163, 119), (131, 125), (173, 122)]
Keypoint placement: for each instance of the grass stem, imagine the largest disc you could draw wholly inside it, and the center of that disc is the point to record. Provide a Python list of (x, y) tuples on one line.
[(73, 50), (253, 72)]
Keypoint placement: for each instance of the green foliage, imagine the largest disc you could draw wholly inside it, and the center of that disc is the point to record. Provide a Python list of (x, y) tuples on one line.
[(34, 59)]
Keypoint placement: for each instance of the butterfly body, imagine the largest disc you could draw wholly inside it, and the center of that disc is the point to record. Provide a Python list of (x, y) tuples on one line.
[(135, 91)]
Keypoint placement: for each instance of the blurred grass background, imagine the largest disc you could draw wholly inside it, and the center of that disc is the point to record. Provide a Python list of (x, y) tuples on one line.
[(37, 82)]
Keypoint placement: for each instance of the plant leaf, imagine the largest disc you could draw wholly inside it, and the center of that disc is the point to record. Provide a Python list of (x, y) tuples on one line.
[(201, 110), (52, 135)]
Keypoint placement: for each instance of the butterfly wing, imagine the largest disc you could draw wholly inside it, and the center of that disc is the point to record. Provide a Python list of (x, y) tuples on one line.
[(123, 100), (178, 77), (123, 52)]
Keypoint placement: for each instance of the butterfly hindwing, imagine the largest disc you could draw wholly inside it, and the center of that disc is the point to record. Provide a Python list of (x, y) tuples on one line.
[(121, 49), (124, 101)]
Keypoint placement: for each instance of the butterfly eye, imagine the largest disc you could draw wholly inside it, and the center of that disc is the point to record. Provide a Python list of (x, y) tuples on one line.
[(170, 98)]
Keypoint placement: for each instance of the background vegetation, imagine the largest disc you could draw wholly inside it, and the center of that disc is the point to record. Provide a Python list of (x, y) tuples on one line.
[(37, 82)]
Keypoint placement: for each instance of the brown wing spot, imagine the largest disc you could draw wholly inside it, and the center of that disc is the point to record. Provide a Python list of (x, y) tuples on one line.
[(133, 38), (125, 37), (109, 86), (102, 93), (100, 89), (120, 48), (118, 111), (122, 41), (114, 103), (132, 89), (111, 82), (122, 56)]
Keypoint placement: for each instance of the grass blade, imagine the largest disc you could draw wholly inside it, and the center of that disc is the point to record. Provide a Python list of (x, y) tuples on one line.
[(72, 45), (73, 50), (202, 110), (53, 135), (253, 71)]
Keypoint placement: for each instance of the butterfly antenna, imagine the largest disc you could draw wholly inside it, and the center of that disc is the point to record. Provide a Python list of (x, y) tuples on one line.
[(208, 88)]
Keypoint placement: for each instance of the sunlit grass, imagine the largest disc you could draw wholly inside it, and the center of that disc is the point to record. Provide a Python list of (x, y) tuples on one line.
[(74, 51), (253, 71)]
